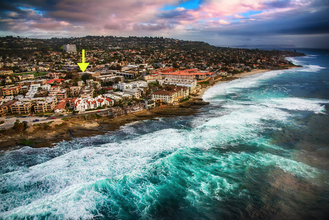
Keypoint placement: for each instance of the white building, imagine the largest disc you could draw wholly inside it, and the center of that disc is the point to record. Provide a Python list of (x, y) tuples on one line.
[(83, 104), (32, 91), (46, 87), (70, 48)]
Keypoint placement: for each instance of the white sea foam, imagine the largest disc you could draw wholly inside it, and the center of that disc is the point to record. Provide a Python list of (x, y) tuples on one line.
[(297, 104), (236, 86)]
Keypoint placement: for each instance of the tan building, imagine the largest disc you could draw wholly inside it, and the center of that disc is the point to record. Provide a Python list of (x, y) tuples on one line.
[(45, 106), (21, 108), (27, 77), (10, 90), (165, 96), (5, 108), (6, 72), (175, 94), (75, 91), (87, 92), (62, 94)]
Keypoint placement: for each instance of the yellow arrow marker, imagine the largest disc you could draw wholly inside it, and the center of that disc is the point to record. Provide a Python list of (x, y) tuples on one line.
[(83, 65)]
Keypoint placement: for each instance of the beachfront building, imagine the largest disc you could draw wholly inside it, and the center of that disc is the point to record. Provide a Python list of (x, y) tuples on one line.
[(136, 93), (165, 96), (60, 107), (47, 105), (5, 108), (83, 104), (21, 108), (173, 94)]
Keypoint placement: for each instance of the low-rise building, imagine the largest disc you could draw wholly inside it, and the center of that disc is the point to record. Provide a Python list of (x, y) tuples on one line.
[(10, 90), (62, 94), (21, 108), (5, 108), (45, 106), (173, 94), (75, 91), (60, 107), (83, 104)]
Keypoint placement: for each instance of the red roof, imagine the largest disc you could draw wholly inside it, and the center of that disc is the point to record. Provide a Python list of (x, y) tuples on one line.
[(60, 105), (108, 99), (54, 80)]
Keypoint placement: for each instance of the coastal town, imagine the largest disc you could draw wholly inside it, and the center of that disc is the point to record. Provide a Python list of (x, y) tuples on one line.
[(40, 78)]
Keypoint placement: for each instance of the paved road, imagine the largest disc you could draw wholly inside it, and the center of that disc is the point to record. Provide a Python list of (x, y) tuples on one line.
[(9, 121)]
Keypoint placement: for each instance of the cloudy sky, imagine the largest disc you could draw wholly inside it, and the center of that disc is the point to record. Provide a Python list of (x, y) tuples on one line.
[(273, 23)]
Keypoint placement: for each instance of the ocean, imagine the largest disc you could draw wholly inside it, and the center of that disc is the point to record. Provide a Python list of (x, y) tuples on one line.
[(259, 150)]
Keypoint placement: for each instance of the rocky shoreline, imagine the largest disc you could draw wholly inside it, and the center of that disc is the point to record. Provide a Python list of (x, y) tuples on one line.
[(86, 126)]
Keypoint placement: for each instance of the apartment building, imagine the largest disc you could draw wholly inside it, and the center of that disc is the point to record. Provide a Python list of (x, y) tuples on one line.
[(62, 94), (5, 108), (32, 91), (10, 90), (54, 90), (21, 108), (45, 106), (75, 91), (173, 94)]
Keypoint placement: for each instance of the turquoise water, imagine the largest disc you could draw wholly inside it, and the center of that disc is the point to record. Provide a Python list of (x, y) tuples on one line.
[(259, 150)]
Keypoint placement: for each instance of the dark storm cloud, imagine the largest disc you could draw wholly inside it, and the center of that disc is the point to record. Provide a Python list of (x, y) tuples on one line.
[(278, 4), (287, 23)]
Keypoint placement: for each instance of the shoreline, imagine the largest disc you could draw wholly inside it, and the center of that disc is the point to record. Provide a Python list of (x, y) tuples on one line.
[(238, 76), (81, 126)]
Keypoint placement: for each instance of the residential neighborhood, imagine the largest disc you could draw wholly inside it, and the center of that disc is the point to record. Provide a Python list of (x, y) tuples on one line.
[(41, 76)]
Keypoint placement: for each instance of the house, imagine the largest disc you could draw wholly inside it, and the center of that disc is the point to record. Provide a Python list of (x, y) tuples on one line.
[(60, 107)]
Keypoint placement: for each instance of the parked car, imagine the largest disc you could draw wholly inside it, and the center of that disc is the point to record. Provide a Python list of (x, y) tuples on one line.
[(53, 117), (98, 111), (35, 120)]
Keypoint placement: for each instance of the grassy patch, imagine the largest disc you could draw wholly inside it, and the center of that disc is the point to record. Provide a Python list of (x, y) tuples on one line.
[(204, 82), (186, 99)]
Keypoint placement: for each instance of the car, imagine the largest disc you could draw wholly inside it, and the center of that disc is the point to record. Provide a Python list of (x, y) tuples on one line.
[(65, 115), (36, 120), (53, 117), (98, 111), (46, 115), (24, 116), (25, 122)]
